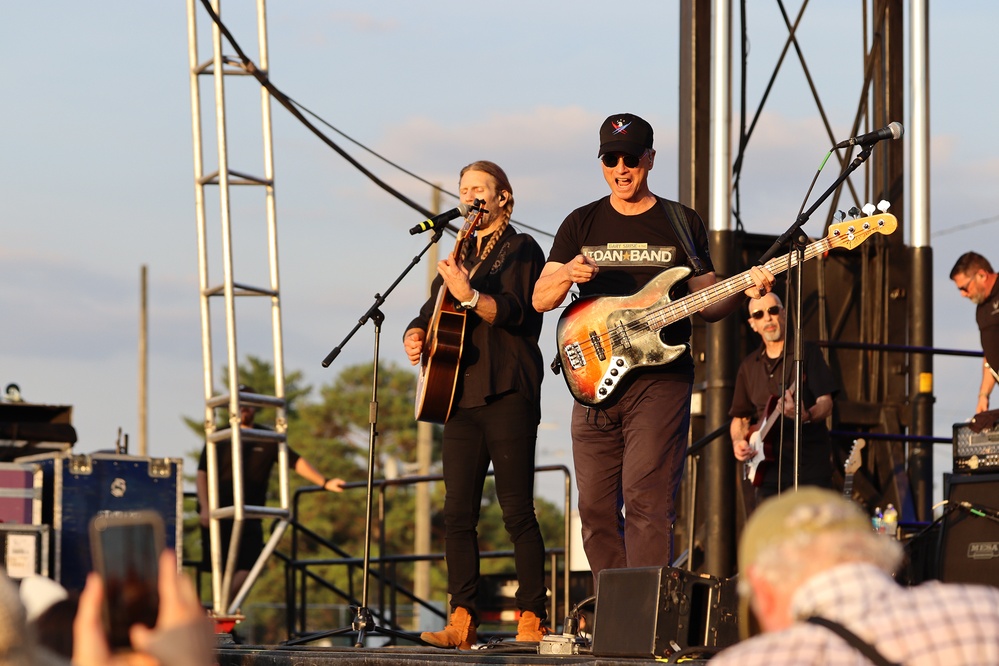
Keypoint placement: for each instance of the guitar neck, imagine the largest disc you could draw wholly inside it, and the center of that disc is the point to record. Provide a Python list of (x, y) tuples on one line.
[(772, 417), (697, 301)]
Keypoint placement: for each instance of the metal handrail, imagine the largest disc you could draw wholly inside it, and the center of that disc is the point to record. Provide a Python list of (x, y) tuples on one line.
[(297, 599)]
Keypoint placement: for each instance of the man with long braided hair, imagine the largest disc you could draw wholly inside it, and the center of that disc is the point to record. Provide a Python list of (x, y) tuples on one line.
[(496, 407)]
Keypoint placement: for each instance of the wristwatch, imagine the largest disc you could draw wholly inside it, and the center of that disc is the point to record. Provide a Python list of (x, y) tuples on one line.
[(471, 303)]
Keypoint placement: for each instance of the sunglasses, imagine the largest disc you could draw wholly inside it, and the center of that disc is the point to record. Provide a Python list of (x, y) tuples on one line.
[(610, 160), (773, 311)]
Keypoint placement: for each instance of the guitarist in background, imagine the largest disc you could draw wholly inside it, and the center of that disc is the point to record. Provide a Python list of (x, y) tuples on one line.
[(974, 278), (496, 407), (629, 453), (763, 381)]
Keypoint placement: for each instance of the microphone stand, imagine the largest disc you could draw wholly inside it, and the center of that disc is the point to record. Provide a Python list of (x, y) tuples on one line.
[(798, 245), (363, 622)]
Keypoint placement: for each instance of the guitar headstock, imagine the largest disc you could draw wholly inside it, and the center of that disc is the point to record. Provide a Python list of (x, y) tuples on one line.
[(852, 232), (853, 460), (472, 220)]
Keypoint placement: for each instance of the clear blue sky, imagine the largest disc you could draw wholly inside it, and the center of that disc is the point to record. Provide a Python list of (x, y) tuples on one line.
[(96, 171)]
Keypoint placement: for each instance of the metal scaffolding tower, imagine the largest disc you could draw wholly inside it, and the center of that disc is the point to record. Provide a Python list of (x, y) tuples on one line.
[(222, 180)]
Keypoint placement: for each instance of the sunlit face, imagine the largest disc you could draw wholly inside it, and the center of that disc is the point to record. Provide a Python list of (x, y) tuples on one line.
[(628, 183), (972, 286), (480, 185), (767, 317)]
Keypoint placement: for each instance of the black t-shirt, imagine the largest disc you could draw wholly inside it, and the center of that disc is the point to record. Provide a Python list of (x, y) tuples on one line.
[(759, 378), (259, 459), (631, 250), (987, 316)]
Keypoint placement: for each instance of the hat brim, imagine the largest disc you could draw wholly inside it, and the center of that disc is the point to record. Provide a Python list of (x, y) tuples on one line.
[(626, 147)]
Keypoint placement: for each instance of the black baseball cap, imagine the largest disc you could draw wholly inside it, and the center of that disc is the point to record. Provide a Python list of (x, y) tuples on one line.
[(625, 133)]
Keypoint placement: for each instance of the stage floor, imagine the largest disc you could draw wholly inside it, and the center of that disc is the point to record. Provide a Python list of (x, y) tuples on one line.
[(249, 655)]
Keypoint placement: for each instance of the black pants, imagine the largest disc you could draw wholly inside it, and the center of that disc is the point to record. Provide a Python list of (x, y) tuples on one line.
[(504, 433)]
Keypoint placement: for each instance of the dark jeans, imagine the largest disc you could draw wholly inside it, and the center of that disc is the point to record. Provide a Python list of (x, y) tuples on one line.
[(504, 432), (631, 456)]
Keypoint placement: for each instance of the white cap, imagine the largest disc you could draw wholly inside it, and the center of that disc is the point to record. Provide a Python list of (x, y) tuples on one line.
[(39, 593)]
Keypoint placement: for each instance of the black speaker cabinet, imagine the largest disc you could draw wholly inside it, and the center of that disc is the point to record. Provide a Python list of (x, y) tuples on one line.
[(658, 611), (969, 543)]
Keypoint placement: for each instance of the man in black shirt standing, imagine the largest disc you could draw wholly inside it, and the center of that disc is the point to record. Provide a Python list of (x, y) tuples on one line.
[(259, 459), (977, 282), (766, 380), (628, 452)]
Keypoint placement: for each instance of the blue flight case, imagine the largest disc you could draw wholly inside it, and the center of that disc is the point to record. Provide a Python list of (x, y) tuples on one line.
[(77, 487)]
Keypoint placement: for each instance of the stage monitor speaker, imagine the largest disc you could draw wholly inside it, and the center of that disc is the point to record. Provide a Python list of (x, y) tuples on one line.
[(969, 543), (658, 611)]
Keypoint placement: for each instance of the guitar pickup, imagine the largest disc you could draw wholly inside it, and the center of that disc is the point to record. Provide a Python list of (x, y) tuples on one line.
[(574, 355), (597, 347), (621, 335)]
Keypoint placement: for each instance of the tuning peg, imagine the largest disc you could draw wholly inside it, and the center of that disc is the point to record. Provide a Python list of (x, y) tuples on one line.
[(868, 209), (839, 216), (854, 212), (883, 206)]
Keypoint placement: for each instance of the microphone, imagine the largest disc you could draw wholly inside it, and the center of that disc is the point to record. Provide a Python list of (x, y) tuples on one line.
[(440, 220), (893, 131)]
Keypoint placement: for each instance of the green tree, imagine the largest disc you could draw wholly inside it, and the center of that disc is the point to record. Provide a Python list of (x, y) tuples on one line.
[(332, 433)]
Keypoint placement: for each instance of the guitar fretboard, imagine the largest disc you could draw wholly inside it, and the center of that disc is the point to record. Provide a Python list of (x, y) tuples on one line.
[(697, 301)]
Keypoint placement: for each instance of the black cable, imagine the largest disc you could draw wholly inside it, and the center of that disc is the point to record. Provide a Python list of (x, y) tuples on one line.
[(261, 77), (293, 107)]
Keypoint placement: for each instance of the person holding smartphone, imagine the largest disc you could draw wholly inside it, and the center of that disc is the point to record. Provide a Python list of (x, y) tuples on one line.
[(182, 635)]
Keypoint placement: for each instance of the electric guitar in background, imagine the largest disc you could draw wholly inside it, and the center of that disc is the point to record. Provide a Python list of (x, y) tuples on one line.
[(602, 338), (445, 336), (851, 466), (760, 440)]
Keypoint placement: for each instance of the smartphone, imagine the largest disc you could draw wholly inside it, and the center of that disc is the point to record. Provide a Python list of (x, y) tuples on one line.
[(125, 548)]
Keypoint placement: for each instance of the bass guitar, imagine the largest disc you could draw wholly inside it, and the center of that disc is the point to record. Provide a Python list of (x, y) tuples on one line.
[(603, 338), (442, 347), (759, 439)]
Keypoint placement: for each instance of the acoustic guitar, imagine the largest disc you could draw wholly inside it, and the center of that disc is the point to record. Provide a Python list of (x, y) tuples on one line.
[(603, 338), (441, 354)]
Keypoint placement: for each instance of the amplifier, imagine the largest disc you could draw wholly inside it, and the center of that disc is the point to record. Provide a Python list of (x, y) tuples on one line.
[(976, 445), (655, 612)]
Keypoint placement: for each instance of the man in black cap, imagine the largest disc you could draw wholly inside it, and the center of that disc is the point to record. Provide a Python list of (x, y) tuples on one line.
[(259, 459), (628, 447)]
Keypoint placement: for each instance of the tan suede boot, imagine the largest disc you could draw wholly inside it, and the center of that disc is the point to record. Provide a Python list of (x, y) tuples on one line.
[(530, 629), (459, 632)]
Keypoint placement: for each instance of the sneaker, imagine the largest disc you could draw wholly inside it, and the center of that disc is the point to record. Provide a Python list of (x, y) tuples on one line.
[(530, 629)]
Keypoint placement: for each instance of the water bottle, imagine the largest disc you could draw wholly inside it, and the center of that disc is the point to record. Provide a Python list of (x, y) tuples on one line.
[(889, 521), (877, 521)]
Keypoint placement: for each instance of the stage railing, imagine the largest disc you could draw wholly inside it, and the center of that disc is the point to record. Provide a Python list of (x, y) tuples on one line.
[(301, 575)]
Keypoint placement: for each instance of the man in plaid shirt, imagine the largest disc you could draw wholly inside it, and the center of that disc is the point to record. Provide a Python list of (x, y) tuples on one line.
[(810, 566)]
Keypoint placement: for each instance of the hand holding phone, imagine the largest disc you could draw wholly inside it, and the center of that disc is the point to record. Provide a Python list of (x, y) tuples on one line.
[(183, 634), (126, 549)]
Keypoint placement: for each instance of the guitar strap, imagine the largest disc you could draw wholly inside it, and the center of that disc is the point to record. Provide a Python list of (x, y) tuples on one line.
[(676, 216), (853, 639)]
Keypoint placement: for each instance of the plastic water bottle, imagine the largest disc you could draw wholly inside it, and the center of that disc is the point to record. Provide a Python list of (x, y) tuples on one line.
[(877, 521), (889, 521)]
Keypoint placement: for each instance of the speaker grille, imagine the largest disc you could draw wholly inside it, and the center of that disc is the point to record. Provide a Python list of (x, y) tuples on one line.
[(969, 544)]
